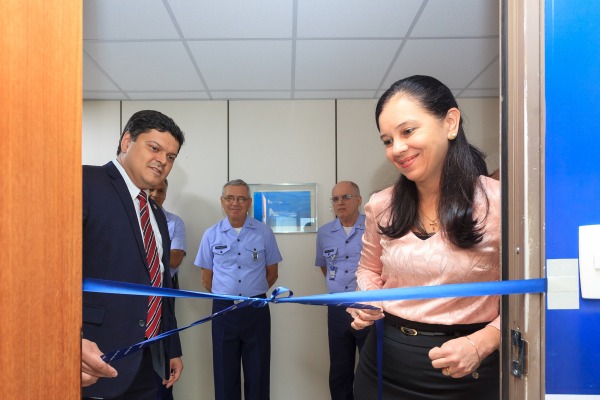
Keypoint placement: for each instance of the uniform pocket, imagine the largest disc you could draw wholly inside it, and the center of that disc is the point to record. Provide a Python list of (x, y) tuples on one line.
[(256, 251), (330, 253), (218, 249)]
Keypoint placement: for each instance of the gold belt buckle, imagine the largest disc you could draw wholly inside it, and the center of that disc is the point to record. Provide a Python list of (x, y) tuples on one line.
[(408, 331)]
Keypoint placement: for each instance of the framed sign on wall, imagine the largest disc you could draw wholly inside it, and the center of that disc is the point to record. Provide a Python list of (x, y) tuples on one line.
[(285, 207)]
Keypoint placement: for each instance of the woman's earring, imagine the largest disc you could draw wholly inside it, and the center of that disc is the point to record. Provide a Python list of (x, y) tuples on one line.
[(452, 136)]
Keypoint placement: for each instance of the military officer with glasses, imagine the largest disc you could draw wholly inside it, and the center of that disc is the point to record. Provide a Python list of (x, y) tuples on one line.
[(339, 244), (239, 256)]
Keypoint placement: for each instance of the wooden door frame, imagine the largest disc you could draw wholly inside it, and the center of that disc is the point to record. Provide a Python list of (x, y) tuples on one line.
[(523, 128)]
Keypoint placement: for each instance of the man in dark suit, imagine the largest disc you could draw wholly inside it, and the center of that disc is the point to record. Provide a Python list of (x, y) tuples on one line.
[(114, 248)]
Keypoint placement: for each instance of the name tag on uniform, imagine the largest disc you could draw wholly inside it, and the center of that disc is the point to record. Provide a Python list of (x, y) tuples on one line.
[(220, 248)]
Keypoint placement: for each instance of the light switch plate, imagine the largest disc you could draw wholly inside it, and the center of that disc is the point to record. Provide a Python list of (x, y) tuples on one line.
[(563, 284), (589, 261)]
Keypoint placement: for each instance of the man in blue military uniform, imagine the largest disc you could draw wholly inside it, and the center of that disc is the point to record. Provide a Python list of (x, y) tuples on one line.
[(339, 244), (176, 231), (239, 256)]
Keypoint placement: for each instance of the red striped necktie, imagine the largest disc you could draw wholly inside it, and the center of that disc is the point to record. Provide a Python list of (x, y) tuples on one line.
[(153, 258)]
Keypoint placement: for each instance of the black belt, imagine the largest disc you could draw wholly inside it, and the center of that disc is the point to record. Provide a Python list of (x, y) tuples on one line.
[(414, 332), (412, 328)]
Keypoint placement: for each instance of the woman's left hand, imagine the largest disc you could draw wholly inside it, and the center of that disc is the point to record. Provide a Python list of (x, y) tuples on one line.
[(462, 356), (456, 358)]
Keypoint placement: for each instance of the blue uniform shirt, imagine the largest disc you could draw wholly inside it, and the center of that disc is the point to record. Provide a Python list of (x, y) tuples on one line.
[(340, 253), (239, 261), (176, 233)]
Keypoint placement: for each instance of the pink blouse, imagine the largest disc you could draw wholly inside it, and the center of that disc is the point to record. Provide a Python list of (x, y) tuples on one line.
[(410, 261)]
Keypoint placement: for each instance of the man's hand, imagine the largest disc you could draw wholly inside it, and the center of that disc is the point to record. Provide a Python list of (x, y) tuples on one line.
[(92, 366), (176, 368)]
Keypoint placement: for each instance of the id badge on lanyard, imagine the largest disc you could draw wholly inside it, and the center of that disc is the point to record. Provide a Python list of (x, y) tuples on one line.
[(332, 268)]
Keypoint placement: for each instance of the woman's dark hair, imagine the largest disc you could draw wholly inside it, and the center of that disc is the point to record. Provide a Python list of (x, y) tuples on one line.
[(146, 120), (460, 174)]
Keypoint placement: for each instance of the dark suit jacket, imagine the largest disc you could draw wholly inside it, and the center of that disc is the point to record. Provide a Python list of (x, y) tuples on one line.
[(113, 249)]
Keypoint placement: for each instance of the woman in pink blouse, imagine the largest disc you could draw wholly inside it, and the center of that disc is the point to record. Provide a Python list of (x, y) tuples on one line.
[(439, 224)]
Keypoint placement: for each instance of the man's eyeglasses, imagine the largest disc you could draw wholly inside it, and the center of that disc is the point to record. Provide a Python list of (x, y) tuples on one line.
[(346, 197), (239, 199)]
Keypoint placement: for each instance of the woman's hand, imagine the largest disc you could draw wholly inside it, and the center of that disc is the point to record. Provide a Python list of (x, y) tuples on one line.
[(462, 356), (364, 317), (456, 358)]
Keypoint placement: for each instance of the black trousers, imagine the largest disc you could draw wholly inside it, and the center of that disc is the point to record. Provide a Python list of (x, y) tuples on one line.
[(344, 341), (162, 393), (409, 375), (241, 338)]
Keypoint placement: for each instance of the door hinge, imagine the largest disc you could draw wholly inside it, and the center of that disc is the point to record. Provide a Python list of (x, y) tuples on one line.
[(518, 354)]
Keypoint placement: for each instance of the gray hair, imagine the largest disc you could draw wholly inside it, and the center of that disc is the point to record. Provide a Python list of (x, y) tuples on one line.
[(235, 182)]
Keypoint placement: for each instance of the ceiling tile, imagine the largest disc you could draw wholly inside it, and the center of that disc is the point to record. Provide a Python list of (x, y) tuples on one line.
[(94, 78), (490, 78), (355, 18), (234, 19), (168, 95), (334, 94), (244, 65), (458, 18), (479, 93), (285, 49), (99, 95), (455, 62), (342, 64), (126, 20), (147, 66), (251, 95)]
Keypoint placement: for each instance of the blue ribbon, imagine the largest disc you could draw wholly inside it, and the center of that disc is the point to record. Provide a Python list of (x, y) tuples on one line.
[(427, 292), (113, 287), (125, 351), (346, 299)]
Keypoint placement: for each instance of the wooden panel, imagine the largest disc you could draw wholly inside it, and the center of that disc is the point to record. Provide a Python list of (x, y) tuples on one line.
[(40, 232)]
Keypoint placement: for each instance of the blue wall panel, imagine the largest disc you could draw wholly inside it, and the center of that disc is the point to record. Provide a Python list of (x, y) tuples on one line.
[(572, 159)]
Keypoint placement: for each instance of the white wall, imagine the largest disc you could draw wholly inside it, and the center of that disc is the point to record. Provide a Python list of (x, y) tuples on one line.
[(291, 142), (268, 142), (101, 122), (361, 154)]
